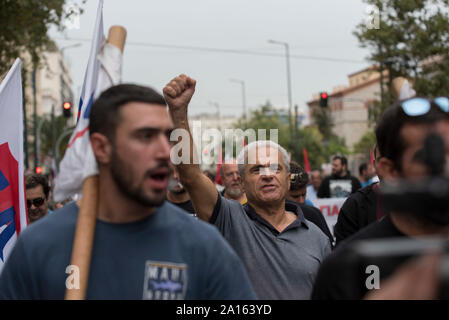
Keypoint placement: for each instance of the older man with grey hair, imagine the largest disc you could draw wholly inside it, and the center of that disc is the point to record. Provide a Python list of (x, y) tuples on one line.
[(232, 181), (280, 249)]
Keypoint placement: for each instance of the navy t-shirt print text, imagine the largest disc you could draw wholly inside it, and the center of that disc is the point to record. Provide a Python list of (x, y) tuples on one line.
[(165, 281)]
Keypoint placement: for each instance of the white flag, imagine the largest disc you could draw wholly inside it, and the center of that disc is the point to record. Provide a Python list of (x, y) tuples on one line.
[(406, 91), (103, 71), (13, 217)]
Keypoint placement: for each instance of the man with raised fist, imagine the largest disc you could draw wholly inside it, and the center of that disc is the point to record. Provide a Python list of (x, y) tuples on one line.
[(280, 249)]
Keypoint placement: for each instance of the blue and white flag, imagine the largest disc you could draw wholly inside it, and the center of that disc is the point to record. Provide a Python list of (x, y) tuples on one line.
[(13, 217), (103, 71)]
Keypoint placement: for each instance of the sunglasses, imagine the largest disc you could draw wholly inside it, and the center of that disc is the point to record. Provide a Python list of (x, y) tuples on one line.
[(420, 106), (37, 202)]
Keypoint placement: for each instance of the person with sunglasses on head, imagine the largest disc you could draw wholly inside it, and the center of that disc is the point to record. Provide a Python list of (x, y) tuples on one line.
[(408, 134), (37, 191)]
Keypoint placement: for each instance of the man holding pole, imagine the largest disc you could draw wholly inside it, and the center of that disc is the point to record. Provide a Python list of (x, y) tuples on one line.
[(144, 247)]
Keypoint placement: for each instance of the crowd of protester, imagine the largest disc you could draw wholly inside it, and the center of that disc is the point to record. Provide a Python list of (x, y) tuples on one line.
[(267, 239)]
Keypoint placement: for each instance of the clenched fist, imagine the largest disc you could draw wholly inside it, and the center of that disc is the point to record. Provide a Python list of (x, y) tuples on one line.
[(178, 93)]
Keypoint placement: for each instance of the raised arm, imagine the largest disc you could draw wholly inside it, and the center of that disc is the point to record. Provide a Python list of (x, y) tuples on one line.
[(203, 193)]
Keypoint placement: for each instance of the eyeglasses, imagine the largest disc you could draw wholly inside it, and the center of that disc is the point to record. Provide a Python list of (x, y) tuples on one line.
[(420, 106), (37, 202)]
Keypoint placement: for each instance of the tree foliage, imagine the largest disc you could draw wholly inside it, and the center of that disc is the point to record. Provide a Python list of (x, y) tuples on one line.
[(323, 120), (24, 25), (266, 117), (45, 144), (319, 148), (365, 144), (412, 40)]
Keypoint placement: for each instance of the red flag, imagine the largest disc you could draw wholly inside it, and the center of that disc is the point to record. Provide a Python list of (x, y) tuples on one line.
[(306, 160), (371, 156), (218, 174)]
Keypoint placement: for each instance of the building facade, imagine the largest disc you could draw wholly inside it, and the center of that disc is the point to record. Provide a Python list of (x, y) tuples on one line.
[(203, 126), (47, 87)]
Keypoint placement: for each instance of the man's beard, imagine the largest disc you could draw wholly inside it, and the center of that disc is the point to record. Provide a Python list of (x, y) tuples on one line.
[(339, 173), (124, 179), (234, 192), (35, 215)]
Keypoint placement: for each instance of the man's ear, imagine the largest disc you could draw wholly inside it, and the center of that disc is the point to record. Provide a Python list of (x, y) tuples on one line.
[(386, 169), (102, 148)]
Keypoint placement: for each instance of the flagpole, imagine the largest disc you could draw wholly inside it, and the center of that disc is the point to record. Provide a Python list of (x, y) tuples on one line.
[(85, 227)]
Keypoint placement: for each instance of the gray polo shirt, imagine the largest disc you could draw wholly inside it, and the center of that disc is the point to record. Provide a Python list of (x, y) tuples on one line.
[(280, 265)]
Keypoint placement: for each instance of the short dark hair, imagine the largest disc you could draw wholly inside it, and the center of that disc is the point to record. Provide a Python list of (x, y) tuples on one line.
[(363, 167), (32, 180), (342, 159), (299, 177), (388, 138), (105, 116)]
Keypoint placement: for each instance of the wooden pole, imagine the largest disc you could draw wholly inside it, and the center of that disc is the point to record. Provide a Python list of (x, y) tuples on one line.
[(87, 216), (117, 37), (84, 237)]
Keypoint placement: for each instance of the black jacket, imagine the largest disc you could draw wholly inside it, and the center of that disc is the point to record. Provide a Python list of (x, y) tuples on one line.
[(341, 276), (358, 211)]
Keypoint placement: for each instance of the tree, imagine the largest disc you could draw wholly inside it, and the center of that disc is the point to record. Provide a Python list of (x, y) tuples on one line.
[(336, 145), (412, 40), (323, 120), (266, 117), (319, 148), (365, 144), (24, 26), (45, 143), (61, 127), (311, 139)]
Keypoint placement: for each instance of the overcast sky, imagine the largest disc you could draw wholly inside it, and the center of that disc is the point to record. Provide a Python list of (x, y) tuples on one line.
[(313, 28)]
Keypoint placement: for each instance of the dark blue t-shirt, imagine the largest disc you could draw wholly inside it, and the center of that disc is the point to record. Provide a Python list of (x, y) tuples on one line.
[(168, 255)]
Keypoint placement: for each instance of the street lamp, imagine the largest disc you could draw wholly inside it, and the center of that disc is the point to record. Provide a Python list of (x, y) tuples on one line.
[(243, 95), (62, 83), (289, 86), (216, 105)]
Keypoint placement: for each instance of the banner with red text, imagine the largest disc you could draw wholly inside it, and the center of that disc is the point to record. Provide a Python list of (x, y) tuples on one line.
[(330, 207)]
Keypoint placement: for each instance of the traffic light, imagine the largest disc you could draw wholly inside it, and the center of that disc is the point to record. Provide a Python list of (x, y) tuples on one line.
[(323, 99), (38, 170), (67, 109)]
